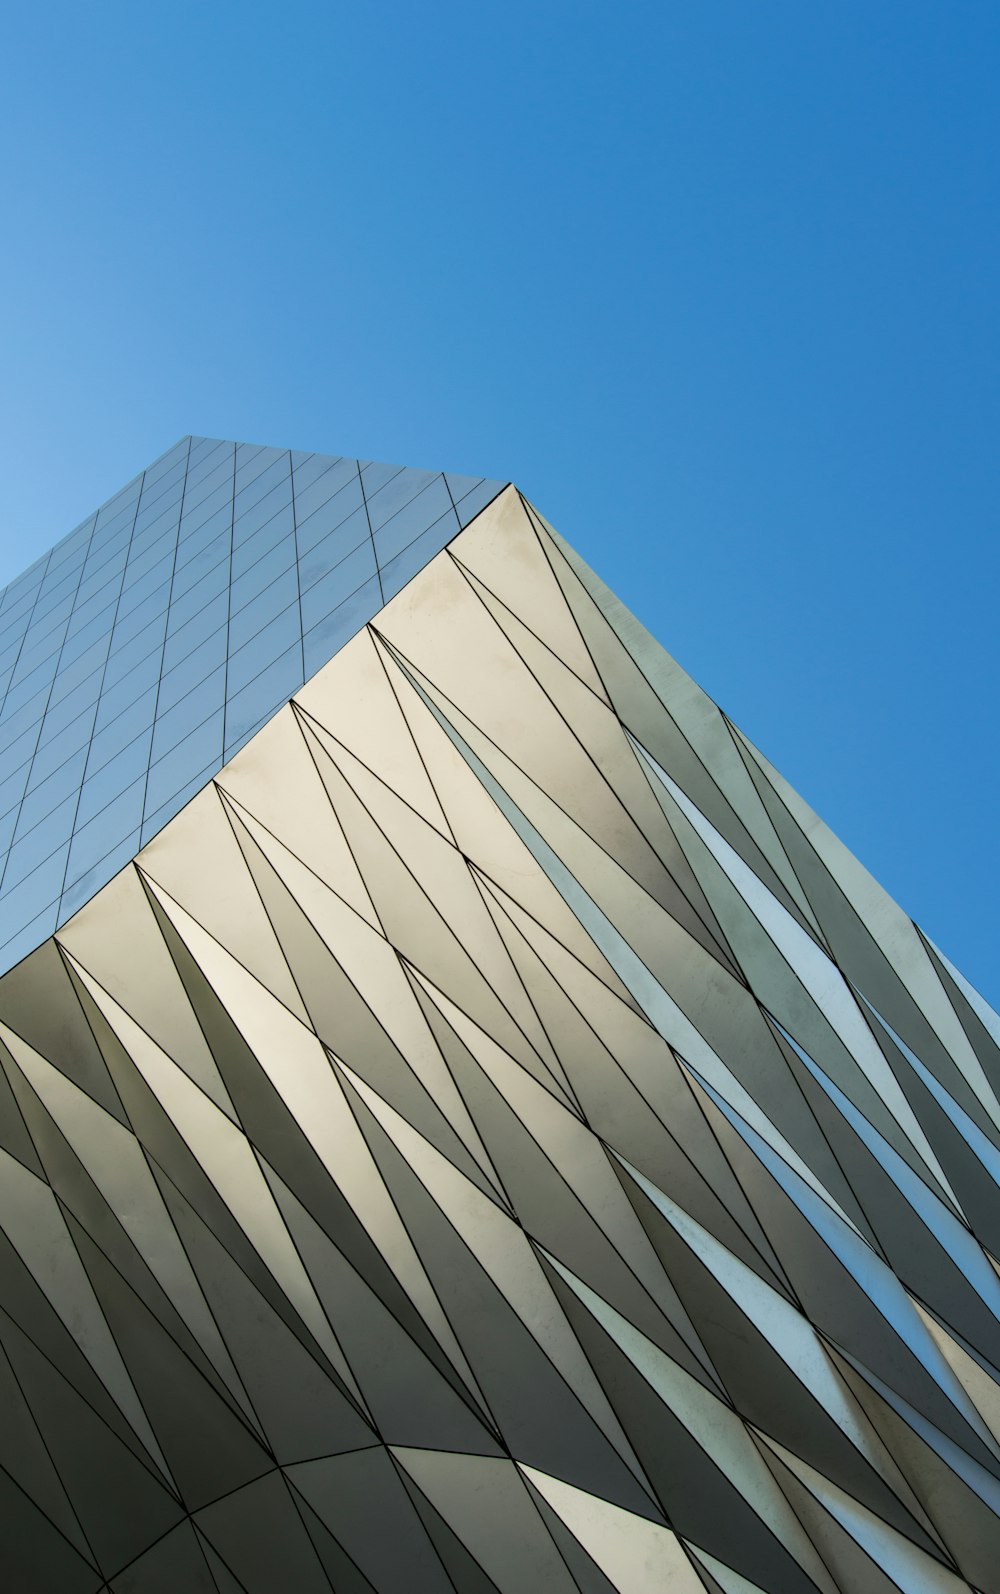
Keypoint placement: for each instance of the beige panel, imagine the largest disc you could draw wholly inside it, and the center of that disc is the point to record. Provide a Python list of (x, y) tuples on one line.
[(198, 861), (503, 550), (362, 713), (116, 940), (637, 1556)]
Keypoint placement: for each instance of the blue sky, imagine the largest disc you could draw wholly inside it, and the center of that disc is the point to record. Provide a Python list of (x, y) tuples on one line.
[(715, 281)]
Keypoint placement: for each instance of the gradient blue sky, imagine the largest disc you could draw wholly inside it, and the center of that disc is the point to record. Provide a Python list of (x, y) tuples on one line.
[(715, 281)]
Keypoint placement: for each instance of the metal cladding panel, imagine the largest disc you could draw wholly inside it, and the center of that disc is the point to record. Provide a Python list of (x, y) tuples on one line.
[(495, 1138), (145, 648)]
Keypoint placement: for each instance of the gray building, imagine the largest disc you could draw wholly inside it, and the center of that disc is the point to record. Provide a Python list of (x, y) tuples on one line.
[(465, 1123)]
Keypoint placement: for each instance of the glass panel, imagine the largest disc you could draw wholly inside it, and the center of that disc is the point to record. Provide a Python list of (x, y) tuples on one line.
[(82, 888), (104, 565), (16, 722), (470, 505), (77, 667), (122, 716), (151, 588), (179, 721), (54, 750), (267, 691), (322, 642), (105, 829), (134, 655), (254, 534), (146, 551), (198, 748), (335, 546), (335, 587), (47, 795), (416, 516), (24, 941), (128, 723), (37, 845), (156, 821), (192, 670), (167, 462), (69, 708), (119, 774), (50, 617), (25, 688), (375, 474), (281, 592), (314, 488), (12, 786), (98, 628), (7, 823), (397, 572), (332, 512), (206, 506), (269, 642), (399, 490), (203, 550), (189, 635), (206, 470), (261, 497), (269, 567), (71, 548), (202, 580)]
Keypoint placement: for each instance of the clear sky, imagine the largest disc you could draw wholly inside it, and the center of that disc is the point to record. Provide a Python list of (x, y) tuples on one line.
[(715, 281)]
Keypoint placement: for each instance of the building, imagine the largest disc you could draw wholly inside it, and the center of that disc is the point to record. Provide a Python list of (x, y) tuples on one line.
[(465, 1124)]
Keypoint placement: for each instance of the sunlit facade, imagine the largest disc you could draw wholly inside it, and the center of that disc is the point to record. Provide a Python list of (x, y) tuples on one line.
[(465, 1123)]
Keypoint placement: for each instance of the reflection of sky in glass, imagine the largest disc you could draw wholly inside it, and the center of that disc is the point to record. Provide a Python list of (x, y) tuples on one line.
[(141, 652)]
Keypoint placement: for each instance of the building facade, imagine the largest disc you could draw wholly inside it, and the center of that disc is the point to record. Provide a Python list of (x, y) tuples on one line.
[(465, 1124)]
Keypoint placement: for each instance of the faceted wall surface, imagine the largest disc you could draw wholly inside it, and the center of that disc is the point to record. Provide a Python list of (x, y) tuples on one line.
[(494, 1137), (149, 644)]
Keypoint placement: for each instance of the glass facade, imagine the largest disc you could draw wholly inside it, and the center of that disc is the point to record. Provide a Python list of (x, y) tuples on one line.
[(141, 652)]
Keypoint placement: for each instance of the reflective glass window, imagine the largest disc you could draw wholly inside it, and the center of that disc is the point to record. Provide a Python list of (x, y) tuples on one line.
[(76, 666), (82, 882), (324, 555), (52, 751), (188, 636), (375, 475), (155, 819), (271, 641), (275, 684), (336, 586), (110, 735), (52, 724), (191, 669), (36, 845), (128, 655), (184, 717), (203, 585), (33, 898), (425, 510), (312, 492), (126, 769), (201, 745), (145, 595), (18, 719), (398, 571), (470, 505), (278, 594), (311, 528), (338, 626), (398, 491), (13, 783), (44, 796)]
